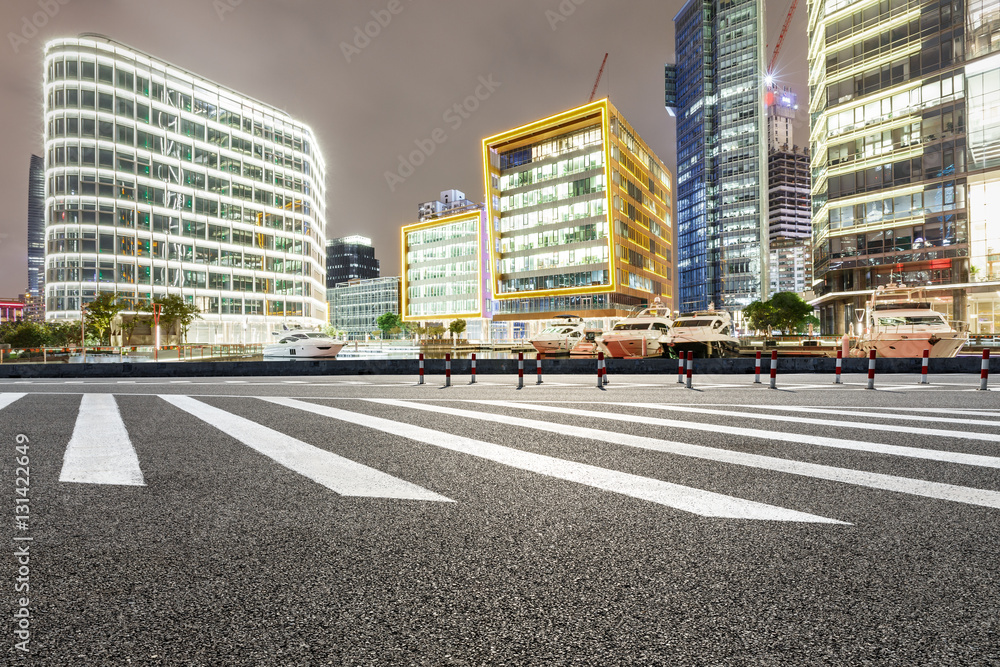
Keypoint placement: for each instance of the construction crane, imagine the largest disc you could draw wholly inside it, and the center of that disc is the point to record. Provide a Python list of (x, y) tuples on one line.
[(781, 38), (599, 73)]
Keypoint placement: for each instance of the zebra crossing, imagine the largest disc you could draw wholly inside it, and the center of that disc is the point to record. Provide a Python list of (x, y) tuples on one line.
[(100, 452)]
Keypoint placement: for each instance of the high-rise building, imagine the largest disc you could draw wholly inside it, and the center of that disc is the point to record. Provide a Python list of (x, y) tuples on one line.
[(350, 258), (716, 92), (443, 262), (781, 107), (905, 132), (159, 181), (36, 237), (579, 213), (791, 266), (789, 205), (451, 202), (356, 305)]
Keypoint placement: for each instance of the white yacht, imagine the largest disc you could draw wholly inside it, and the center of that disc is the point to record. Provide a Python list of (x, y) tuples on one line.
[(706, 333), (303, 345), (559, 337), (642, 335), (898, 324)]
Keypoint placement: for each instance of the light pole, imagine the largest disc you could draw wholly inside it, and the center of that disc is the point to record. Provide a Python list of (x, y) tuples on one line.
[(157, 309)]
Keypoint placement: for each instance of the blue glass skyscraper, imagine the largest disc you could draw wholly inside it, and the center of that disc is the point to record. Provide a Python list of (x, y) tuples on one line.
[(716, 92)]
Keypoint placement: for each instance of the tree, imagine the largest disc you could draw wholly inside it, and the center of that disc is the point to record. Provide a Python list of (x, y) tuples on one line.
[(760, 316), (174, 309), (25, 334), (387, 322), (785, 311), (101, 312), (457, 327), (435, 330), (790, 311)]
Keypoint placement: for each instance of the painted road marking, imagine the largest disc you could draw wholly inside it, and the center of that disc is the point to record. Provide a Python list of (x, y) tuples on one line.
[(687, 499), (809, 439), (915, 487), (100, 452), (7, 399), (335, 472), (877, 415)]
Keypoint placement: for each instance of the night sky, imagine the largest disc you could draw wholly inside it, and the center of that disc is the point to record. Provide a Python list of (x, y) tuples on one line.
[(369, 102)]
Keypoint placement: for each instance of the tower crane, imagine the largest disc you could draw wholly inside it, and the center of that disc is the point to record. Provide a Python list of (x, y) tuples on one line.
[(781, 38), (599, 73)]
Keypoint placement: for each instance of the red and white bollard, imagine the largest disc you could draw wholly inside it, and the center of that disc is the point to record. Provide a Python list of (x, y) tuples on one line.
[(420, 379), (447, 369), (871, 368), (756, 369), (984, 374), (604, 371), (923, 367), (600, 370), (837, 371), (690, 368), (680, 368), (538, 369), (473, 369), (520, 370), (774, 369)]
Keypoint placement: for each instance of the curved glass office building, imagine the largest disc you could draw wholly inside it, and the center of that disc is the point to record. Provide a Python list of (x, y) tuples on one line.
[(158, 181)]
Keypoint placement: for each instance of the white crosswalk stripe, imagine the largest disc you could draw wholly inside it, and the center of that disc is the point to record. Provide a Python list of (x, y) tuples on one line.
[(100, 451), (332, 471)]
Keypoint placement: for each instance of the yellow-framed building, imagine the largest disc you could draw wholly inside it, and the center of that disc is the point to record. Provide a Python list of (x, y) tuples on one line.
[(442, 268), (580, 217)]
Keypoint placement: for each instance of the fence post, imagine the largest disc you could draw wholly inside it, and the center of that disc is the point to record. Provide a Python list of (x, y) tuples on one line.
[(774, 369), (984, 374), (871, 369)]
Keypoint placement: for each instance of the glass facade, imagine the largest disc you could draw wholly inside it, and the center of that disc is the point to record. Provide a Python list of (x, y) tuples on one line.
[(356, 305), (721, 154), (36, 234), (350, 258), (442, 268), (905, 159), (161, 182), (579, 208)]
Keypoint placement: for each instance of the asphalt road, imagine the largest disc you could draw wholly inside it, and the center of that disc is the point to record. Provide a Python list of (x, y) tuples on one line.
[(370, 521)]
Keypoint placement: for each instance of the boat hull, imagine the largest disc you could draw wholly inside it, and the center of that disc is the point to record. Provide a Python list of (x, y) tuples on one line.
[(631, 346), (706, 349), (552, 346), (302, 351), (939, 345)]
